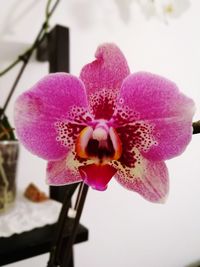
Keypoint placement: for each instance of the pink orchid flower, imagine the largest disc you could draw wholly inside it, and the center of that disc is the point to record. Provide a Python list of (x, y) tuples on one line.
[(107, 123)]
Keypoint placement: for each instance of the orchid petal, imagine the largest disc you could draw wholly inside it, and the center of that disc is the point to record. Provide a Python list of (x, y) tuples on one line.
[(103, 78), (45, 105), (155, 101), (65, 171), (97, 176), (148, 178)]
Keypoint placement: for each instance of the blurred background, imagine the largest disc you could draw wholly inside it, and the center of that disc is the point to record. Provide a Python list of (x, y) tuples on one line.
[(124, 229)]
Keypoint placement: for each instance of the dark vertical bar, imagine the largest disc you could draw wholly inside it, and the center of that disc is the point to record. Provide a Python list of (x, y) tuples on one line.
[(58, 56), (67, 256), (58, 46), (58, 192)]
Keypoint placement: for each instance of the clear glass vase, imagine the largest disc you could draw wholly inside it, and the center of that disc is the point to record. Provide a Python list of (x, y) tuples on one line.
[(9, 151)]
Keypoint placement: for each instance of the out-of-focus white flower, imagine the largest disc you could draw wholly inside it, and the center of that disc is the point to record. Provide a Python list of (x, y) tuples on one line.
[(82, 11), (86, 12), (171, 8), (147, 7), (163, 8), (124, 9)]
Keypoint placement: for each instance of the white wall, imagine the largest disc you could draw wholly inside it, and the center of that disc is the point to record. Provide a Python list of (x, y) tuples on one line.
[(125, 230)]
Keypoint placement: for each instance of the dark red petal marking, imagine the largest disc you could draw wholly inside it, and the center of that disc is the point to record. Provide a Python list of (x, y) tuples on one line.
[(124, 115), (133, 136), (102, 103), (103, 78), (79, 115), (69, 128), (67, 132)]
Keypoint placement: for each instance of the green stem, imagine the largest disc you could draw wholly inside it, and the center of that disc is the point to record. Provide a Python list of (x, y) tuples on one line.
[(43, 30), (12, 65)]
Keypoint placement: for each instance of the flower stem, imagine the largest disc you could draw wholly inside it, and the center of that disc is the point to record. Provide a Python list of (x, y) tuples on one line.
[(12, 65), (25, 57), (55, 252), (13, 88), (55, 255), (80, 203), (44, 28)]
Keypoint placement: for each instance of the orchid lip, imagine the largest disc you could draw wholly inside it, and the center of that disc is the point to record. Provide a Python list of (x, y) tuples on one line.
[(97, 176)]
